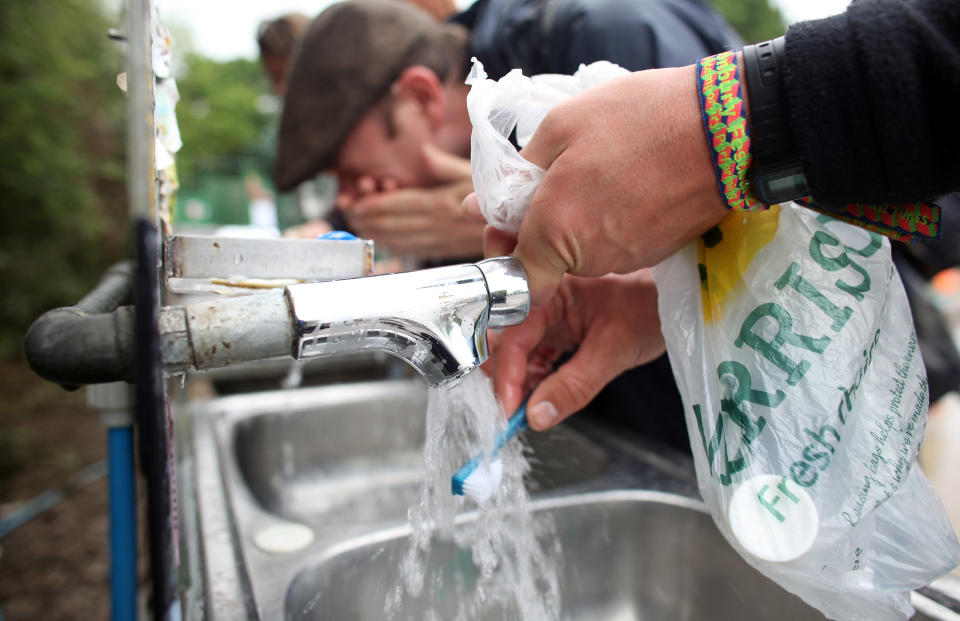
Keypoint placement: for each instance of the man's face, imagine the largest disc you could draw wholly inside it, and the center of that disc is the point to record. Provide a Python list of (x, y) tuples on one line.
[(385, 151)]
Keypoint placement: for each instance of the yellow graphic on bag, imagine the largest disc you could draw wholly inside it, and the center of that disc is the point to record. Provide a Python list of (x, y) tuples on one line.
[(725, 251)]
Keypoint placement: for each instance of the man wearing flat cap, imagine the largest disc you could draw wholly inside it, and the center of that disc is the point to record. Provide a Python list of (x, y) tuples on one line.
[(377, 83), (376, 95)]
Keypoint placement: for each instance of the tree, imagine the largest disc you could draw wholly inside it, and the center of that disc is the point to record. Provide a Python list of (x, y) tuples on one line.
[(218, 114), (755, 20), (63, 218)]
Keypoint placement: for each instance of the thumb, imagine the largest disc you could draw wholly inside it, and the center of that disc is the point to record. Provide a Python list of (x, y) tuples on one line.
[(572, 386), (547, 142), (445, 166), (535, 249), (544, 267)]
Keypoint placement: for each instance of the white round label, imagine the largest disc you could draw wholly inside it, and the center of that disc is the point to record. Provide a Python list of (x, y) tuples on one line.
[(773, 518)]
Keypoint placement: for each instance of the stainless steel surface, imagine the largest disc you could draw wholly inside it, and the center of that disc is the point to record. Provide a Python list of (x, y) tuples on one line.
[(628, 555), (434, 319), (343, 460), (355, 453), (509, 293), (190, 261)]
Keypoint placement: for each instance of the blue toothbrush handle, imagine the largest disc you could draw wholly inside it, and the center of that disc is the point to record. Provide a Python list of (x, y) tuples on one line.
[(518, 422)]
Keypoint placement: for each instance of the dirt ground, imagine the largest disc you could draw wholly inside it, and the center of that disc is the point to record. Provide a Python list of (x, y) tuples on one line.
[(57, 565)]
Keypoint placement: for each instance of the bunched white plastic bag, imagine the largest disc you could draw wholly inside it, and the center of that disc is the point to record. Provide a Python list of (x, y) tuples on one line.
[(805, 396), (503, 180)]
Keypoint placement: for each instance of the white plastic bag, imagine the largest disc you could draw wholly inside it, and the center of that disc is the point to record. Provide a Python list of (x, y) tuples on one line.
[(503, 180), (805, 396)]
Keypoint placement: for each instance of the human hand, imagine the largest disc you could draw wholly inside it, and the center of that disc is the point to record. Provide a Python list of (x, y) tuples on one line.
[(308, 230), (628, 181), (426, 223), (614, 321)]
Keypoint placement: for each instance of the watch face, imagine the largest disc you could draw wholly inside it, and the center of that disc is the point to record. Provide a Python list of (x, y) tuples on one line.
[(791, 184), (778, 186)]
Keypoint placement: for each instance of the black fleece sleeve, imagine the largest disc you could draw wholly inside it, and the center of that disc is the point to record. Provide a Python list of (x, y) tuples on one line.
[(874, 100)]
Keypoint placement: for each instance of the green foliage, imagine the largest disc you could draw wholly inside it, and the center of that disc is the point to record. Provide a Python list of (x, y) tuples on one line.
[(62, 219), (219, 120), (755, 20)]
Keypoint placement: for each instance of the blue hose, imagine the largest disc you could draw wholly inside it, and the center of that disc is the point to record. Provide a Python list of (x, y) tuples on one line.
[(123, 524)]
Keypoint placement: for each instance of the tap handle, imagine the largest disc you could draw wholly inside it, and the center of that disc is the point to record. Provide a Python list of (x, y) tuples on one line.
[(509, 293)]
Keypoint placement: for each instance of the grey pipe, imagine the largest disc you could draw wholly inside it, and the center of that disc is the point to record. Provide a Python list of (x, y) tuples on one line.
[(434, 319), (90, 342)]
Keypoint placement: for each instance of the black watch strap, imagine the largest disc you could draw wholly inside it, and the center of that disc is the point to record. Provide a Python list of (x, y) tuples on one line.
[(776, 174)]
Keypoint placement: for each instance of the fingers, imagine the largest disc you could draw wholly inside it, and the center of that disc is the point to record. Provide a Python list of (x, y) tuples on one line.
[(366, 185), (572, 386), (444, 166), (309, 230), (345, 197), (472, 204), (513, 352), (354, 193), (497, 243)]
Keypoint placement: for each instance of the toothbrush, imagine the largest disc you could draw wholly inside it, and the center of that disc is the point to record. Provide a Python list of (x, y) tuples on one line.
[(480, 482)]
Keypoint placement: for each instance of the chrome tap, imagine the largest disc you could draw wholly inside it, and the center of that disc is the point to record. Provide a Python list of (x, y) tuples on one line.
[(434, 319)]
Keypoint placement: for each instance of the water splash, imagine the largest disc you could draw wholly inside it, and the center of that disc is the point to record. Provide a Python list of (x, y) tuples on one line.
[(516, 557)]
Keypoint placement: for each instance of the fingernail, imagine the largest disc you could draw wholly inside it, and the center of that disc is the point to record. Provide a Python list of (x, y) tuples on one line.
[(544, 413)]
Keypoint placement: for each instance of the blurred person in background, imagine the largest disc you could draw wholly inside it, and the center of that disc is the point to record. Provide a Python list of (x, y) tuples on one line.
[(277, 39), (441, 9), (376, 94)]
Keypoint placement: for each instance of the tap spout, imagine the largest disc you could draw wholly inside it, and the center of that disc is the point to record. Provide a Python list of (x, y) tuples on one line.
[(434, 319)]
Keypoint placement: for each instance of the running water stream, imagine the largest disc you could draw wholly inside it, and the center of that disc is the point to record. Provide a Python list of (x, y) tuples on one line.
[(515, 553)]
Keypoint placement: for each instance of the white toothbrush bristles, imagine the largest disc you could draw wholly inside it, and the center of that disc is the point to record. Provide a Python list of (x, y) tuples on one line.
[(484, 481)]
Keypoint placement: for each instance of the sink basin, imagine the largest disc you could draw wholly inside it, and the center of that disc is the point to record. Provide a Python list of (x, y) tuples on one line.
[(355, 453), (629, 555), (339, 465)]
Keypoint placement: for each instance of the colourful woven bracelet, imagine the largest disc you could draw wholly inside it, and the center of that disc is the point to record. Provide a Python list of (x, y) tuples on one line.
[(909, 222), (725, 121)]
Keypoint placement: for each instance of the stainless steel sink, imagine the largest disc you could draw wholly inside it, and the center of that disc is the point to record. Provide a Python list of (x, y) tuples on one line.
[(355, 452), (630, 555), (344, 461)]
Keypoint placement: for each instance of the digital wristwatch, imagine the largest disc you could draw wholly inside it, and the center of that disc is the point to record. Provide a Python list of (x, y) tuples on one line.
[(776, 173)]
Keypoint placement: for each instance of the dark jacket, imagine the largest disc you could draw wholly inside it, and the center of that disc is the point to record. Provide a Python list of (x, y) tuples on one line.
[(873, 95), (556, 36), (872, 98)]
